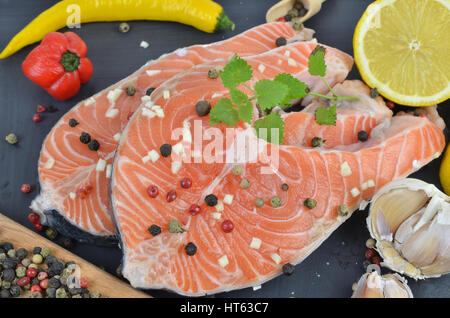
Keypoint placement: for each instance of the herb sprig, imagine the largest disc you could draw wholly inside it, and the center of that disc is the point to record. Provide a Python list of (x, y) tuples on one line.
[(268, 94)]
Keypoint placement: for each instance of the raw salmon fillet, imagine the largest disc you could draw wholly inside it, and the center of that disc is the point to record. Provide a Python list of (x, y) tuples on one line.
[(74, 180), (343, 171)]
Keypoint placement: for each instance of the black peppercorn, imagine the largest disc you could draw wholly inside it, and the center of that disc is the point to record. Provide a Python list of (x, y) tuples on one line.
[(280, 41), (288, 269), (288, 17), (94, 145), (203, 108), (9, 263), (5, 293), (51, 292), (54, 283), (363, 136), (150, 91), (8, 275), (15, 290), (85, 137), (37, 250), (154, 230), (67, 243), (211, 200), (191, 249), (73, 122), (8, 246), (131, 90), (284, 187), (374, 93), (165, 150), (21, 253)]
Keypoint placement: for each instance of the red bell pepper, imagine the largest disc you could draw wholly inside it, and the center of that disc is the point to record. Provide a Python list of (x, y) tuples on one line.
[(59, 64)]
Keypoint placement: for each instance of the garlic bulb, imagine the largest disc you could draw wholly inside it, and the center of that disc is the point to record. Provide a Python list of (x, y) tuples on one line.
[(372, 285), (410, 220)]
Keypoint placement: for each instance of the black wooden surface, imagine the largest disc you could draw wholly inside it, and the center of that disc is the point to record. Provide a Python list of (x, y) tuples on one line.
[(329, 272)]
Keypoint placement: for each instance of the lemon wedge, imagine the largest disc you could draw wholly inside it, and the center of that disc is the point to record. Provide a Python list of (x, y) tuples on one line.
[(444, 172), (402, 47)]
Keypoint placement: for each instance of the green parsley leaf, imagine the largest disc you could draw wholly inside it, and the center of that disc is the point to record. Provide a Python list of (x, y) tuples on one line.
[(316, 63), (270, 128), (326, 116), (270, 93), (224, 112), (236, 72), (296, 88), (246, 112)]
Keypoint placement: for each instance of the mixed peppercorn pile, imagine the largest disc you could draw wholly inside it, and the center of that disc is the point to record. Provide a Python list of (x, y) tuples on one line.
[(40, 273)]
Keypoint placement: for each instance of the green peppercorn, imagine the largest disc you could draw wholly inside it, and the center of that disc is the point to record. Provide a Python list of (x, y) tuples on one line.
[(343, 210), (77, 296), (259, 202), (131, 90), (95, 295), (37, 259), (124, 27), (36, 295), (245, 184), (317, 142), (275, 201), (175, 227), (26, 262), (374, 93), (6, 285), (237, 170), (297, 24), (11, 253), (310, 203), (21, 271), (285, 187), (61, 293), (2, 257), (12, 139), (293, 12), (46, 251), (213, 73), (51, 233), (32, 265)]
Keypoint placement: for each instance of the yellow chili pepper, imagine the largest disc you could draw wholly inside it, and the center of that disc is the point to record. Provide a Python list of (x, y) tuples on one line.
[(205, 15)]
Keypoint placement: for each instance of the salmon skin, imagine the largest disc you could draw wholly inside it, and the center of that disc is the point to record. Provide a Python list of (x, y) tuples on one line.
[(344, 171), (74, 196)]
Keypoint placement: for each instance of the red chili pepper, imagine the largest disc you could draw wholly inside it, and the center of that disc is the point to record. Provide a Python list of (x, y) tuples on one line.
[(25, 188), (33, 217), (59, 64), (40, 109), (37, 118), (36, 288), (32, 272), (23, 281), (83, 282), (194, 209), (227, 226), (369, 254), (38, 227), (282, 19)]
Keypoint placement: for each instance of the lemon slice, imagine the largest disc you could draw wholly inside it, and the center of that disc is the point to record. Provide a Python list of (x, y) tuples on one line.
[(402, 47), (444, 172)]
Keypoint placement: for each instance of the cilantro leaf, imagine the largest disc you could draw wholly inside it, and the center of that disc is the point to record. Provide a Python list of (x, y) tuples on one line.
[(316, 62), (326, 116), (270, 93), (270, 128), (246, 112), (237, 97), (296, 88), (224, 112), (237, 71)]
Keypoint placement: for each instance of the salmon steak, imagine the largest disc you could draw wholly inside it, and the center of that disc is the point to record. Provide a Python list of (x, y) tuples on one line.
[(74, 176), (216, 214)]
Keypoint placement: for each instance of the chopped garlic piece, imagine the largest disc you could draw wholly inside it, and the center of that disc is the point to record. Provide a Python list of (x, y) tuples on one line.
[(154, 155), (216, 215), (148, 113), (215, 95), (256, 243), (416, 164), (145, 159), (255, 288), (72, 195), (314, 40), (153, 72), (146, 98), (113, 95), (219, 206), (280, 62), (149, 104), (89, 101), (287, 53), (370, 183), (355, 192), (345, 169), (261, 68), (117, 137), (166, 94), (223, 261), (178, 149), (159, 113), (291, 62), (144, 44), (187, 136), (228, 199), (101, 165), (276, 258), (364, 186), (108, 171), (112, 113), (49, 163), (176, 165)]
